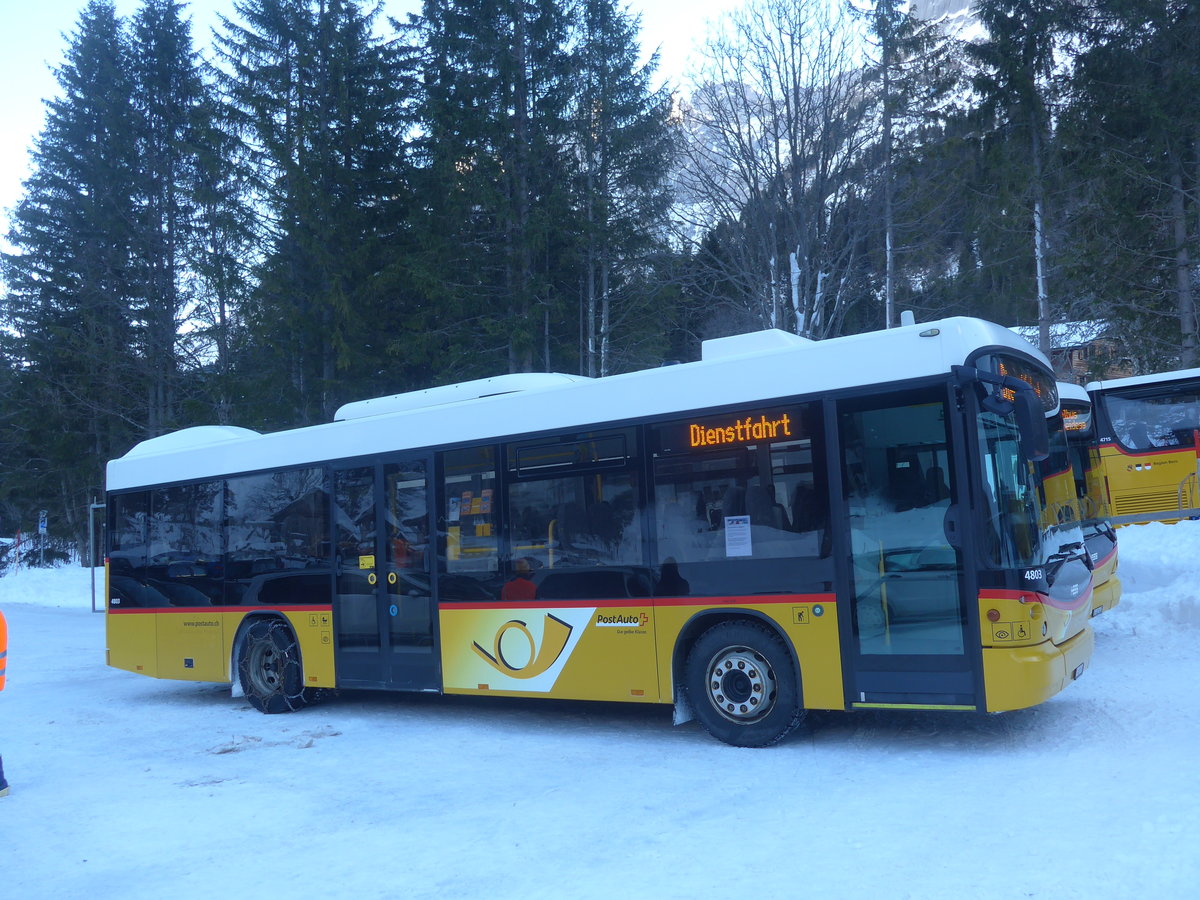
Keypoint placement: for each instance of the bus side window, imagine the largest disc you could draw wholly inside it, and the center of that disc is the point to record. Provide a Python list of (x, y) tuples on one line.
[(573, 517), (468, 536), (128, 538), (276, 525), (737, 498), (582, 520)]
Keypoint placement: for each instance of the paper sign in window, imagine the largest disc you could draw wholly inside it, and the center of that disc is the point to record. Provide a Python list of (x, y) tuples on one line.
[(737, 536)]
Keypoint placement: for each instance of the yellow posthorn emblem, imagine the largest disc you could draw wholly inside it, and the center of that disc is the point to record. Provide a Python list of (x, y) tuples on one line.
[(555, 633)]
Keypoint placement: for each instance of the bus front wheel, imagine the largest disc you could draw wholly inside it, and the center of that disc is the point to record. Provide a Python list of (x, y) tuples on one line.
[(269, 667), (742, 685)]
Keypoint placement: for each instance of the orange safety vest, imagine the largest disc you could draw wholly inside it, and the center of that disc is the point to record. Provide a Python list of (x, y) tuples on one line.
[(3, 649)]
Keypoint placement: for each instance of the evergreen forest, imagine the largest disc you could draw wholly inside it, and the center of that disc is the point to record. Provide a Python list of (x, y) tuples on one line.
[(318, 203)]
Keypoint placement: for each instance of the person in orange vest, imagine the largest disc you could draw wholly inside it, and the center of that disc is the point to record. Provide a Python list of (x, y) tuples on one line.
[(3, 667)]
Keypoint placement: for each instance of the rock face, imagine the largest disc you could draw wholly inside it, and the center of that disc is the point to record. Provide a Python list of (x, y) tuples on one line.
[(954, 17), (933, 9)]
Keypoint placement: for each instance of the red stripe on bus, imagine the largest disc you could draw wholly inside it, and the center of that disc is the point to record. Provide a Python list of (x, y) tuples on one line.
[(1158, 451), (209, 610), (652, 602), (752, 600), (1084, 600), (1006, 594), (1036, 597), (755, 599)]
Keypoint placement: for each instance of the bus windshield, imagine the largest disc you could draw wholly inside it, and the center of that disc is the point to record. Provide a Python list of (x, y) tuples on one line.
[(1032, 512), (1161, 418)]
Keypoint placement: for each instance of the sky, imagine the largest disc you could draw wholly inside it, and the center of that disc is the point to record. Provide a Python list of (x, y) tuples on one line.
[(127, 787), (32, 43)]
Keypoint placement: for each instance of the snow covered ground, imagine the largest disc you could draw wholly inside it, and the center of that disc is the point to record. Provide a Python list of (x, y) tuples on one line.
[(128, 787)]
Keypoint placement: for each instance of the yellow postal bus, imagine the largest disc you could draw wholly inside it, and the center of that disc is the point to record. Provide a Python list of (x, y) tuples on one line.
[(1146, 429), (780, 526)]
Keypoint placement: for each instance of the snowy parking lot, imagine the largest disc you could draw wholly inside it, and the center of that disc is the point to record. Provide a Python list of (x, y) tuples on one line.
[(130, 787)]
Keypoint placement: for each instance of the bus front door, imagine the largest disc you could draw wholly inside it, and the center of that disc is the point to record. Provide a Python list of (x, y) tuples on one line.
[(383, 607), (908, 644)]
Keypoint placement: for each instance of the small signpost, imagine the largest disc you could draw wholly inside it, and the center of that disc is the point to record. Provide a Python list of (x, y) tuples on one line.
[(95, 546)]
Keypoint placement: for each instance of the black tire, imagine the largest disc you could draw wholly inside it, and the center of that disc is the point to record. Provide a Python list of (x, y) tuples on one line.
[(742, 685), (269, 668)]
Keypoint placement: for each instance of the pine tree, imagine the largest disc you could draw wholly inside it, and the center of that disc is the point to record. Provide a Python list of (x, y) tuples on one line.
[(494, 139), (1017, 63), (220, 260), (625, 150), (1132, 133), (169, 97), (72, 277), (319, 103)]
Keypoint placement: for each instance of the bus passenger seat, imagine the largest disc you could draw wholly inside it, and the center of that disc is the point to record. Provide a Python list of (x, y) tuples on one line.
[(806, 514), (935, 483), (760, 507), (733, 502)]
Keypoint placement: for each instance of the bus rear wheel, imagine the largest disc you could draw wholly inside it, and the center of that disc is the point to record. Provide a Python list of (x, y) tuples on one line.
[(742, 685), (269, 668)]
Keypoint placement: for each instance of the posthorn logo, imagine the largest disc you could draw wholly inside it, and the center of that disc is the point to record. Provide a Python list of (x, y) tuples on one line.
[(555, 633)]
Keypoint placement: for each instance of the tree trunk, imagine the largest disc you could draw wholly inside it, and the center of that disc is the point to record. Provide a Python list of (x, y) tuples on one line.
[(1039, 242), (1183, 269), (889, 264), (604, 318), (520, 354)]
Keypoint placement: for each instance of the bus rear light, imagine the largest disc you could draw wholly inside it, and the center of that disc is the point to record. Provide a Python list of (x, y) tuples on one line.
[(993, 615)]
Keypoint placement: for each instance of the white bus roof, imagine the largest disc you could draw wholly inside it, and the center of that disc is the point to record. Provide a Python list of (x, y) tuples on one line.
[(752, 368), (454, 393), (1140, 380), (1070, 391)]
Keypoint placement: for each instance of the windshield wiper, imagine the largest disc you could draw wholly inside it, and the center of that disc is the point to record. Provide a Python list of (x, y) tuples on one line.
[(1060, 557)]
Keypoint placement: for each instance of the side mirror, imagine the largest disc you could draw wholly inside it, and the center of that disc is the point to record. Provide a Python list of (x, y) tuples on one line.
[(1031, 423), (1025, 403)]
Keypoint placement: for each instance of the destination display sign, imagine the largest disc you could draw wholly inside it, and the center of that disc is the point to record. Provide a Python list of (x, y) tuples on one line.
[(1076, 419), (737, 429)]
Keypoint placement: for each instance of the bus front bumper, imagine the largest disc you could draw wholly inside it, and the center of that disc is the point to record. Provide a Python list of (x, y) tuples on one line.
[(1020, 677)]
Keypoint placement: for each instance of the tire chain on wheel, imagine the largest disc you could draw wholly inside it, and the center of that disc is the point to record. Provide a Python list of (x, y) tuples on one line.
[(291, 694)]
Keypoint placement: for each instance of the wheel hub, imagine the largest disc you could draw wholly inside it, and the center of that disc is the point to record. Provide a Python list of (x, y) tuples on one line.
[(265, 668), (741, 684)]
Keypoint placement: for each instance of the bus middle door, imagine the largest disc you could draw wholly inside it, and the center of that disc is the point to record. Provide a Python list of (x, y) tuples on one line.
[(383, 607)]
